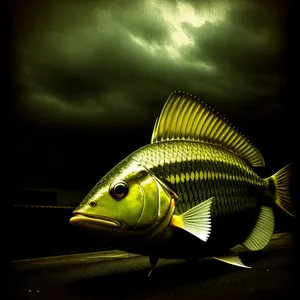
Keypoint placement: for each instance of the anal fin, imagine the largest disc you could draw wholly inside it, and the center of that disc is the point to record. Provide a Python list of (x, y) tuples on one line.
[(262, 231), (231, 258), (196, 220)]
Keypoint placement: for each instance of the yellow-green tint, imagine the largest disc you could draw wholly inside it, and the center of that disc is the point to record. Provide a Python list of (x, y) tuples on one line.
[(177, 221), (149, 190), (164, 202), (210, 175), (205, 126), (172, 179), (187, 176), (134, 207), (192, 175), (127, 210), (182, 177)]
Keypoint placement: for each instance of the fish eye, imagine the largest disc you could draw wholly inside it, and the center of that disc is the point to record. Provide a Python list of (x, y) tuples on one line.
[(119, 189), (92, 203)]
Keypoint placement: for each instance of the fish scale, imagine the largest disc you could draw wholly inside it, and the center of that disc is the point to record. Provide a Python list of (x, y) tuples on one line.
[(183, 158), (234, 186)]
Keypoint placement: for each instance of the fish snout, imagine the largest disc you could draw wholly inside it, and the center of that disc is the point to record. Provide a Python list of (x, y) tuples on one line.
[(86, 221)]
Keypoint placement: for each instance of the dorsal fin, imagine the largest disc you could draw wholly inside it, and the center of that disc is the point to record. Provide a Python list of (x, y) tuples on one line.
[(185, 117)]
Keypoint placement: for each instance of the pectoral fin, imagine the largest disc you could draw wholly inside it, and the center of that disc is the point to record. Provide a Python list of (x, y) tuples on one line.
[(196, 220), (231, 258)]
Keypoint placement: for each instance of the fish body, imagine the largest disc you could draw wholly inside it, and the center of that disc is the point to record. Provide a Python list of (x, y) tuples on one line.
[(191, 192), (198, 171)]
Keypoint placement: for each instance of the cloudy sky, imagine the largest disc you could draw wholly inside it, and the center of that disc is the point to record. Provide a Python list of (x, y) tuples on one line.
[(90, 78)]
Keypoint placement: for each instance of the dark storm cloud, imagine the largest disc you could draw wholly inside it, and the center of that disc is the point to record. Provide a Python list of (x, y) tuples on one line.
[(94, 69), (98, 61), (246, 48)]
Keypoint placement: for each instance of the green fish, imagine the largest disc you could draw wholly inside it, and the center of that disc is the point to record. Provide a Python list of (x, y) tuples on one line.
[(192, 192)]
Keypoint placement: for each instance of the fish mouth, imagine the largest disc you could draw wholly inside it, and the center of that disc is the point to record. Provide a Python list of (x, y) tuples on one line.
[(82, 220)]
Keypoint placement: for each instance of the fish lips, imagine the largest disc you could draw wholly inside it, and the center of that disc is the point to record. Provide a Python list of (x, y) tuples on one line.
[(90, 221)]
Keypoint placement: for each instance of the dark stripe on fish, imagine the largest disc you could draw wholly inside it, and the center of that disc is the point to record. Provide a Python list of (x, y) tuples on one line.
[(207, 171)]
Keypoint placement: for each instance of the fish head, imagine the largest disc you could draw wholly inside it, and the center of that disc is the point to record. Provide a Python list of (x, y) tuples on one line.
[(128, 202)]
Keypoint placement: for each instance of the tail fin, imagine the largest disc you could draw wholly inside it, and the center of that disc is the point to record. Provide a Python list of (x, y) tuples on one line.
[(282, 182)]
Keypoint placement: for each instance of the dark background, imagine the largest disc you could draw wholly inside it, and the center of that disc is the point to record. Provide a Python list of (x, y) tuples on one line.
[(79, 103)]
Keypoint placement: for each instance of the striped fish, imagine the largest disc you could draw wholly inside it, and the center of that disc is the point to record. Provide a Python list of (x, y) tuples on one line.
[(191, 192)]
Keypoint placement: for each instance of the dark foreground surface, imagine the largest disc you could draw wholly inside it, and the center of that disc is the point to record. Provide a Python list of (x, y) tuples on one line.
[(119, 275)]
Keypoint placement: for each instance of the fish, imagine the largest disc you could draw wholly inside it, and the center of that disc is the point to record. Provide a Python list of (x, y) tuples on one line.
[(192, 192)]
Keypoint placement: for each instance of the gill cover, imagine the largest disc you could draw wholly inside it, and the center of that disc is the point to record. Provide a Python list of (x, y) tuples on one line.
[(158, 205), (145, 210)]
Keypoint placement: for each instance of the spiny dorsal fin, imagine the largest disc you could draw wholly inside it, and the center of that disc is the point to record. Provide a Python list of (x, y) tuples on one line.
[(185, 117)]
